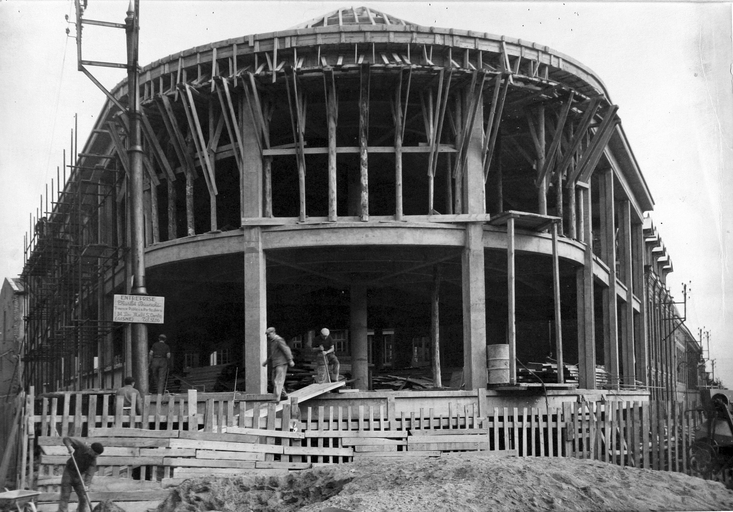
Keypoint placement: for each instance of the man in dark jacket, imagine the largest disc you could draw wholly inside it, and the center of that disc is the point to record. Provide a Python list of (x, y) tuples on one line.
[(78, 473), (280, 358), (159, 356)]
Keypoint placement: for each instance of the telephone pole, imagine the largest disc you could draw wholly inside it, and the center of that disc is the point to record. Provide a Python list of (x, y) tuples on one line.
[(138, 331)]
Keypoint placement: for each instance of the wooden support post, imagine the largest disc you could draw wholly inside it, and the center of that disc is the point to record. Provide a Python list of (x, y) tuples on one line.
[(558, 305), (398, 127), (511, 301), (172, 212), (364, 141), (435, 327), (332, 119), (541, 159), (190, 224)]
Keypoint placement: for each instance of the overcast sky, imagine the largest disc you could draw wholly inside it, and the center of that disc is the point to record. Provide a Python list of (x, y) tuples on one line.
[(667, 65)]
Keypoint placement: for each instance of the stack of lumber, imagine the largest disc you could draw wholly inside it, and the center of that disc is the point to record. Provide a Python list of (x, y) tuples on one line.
[(545, 372), (398, 383), (186, 454)]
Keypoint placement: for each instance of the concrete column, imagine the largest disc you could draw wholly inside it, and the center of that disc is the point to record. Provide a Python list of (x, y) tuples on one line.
[(626, 314), (358, 337), (255, 312), (610, 309), (255, 279), (473, 282), (474, 309), (586, 317), (640, 291)]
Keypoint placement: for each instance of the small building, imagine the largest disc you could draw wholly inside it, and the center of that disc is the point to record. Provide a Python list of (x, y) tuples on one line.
[(12, 305)]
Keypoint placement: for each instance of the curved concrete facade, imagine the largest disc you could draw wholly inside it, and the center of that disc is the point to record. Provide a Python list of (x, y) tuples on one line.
[(348, 172)]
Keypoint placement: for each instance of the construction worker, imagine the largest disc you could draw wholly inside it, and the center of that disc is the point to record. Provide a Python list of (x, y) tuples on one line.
[(160, 354), (280, 357), (128, 394), (78, 473), (324, 342)]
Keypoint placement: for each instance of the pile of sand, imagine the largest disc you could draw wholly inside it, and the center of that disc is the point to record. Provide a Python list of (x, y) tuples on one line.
[(457, 482)]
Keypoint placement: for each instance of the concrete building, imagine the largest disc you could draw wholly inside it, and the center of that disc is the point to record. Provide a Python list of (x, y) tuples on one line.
[(440, 191), (12, 305)]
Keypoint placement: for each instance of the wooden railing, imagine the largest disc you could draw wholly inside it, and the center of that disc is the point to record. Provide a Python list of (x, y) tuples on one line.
[(179, 436)]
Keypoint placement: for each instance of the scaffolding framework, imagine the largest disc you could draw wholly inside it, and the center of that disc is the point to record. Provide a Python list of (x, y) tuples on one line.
[(68, 255)]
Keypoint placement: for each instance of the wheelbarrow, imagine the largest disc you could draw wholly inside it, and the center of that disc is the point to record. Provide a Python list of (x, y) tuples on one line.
[(20, 500)]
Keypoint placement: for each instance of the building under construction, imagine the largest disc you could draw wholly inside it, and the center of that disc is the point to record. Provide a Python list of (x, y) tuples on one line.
[(438, 198)]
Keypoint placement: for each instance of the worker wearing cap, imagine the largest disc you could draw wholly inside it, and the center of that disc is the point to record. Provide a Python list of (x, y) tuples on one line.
[(160, 354), (280, 358), (324, 343), (78, 473)]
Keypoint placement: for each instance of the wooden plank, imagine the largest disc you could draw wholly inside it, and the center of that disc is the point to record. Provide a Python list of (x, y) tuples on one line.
[(357, 441), (376, 448), (261, 432), (232, 447), (110, 451), (645, 411), (111, 441), (445, 432), (306, 393), (317, 451), (403, 454), (103, 460), (391, 434), (182, 473), (282, 465), (221, 455), (166, 452), (131, 432), (117, 496), (208, 463), (229, 437)]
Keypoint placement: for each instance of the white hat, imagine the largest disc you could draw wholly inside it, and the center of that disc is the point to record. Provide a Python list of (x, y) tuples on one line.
[(325, 331)]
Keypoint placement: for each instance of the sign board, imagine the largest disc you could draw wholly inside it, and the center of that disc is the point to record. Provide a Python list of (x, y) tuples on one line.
[(138, 309)]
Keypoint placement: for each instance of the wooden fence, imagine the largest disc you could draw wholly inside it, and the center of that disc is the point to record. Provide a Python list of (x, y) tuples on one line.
[(181, 436)]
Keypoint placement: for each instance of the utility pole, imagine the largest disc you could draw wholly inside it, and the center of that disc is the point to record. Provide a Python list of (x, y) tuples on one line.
[(139, 331), (135, 156)]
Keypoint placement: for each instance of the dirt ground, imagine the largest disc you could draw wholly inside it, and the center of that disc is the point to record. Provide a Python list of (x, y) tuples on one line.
[(459, 482)]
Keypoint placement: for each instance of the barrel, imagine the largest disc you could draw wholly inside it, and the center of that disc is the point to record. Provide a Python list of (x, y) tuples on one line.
[(498, 356)]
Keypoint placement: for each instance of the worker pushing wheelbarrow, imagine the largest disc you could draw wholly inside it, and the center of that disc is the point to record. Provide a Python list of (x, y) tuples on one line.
[(327, 364)]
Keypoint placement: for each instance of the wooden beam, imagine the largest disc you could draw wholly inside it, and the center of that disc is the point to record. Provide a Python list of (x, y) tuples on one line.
[(364, 77), (329, 86), (495, 124), (200, 145), (176, 137), (554, 145), (598, 145), (157, 150), (435, 326), (297, 121), (197, 135), (397, 116), (580, 133)]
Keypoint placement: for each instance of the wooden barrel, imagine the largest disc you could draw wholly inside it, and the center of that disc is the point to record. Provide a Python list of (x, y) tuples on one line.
[(498, 356)]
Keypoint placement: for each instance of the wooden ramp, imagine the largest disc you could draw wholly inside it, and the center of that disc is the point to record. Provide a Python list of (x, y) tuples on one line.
[(302, 394)]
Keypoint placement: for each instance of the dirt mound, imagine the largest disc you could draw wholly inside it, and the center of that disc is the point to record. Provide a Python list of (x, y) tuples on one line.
[(457, 482)]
